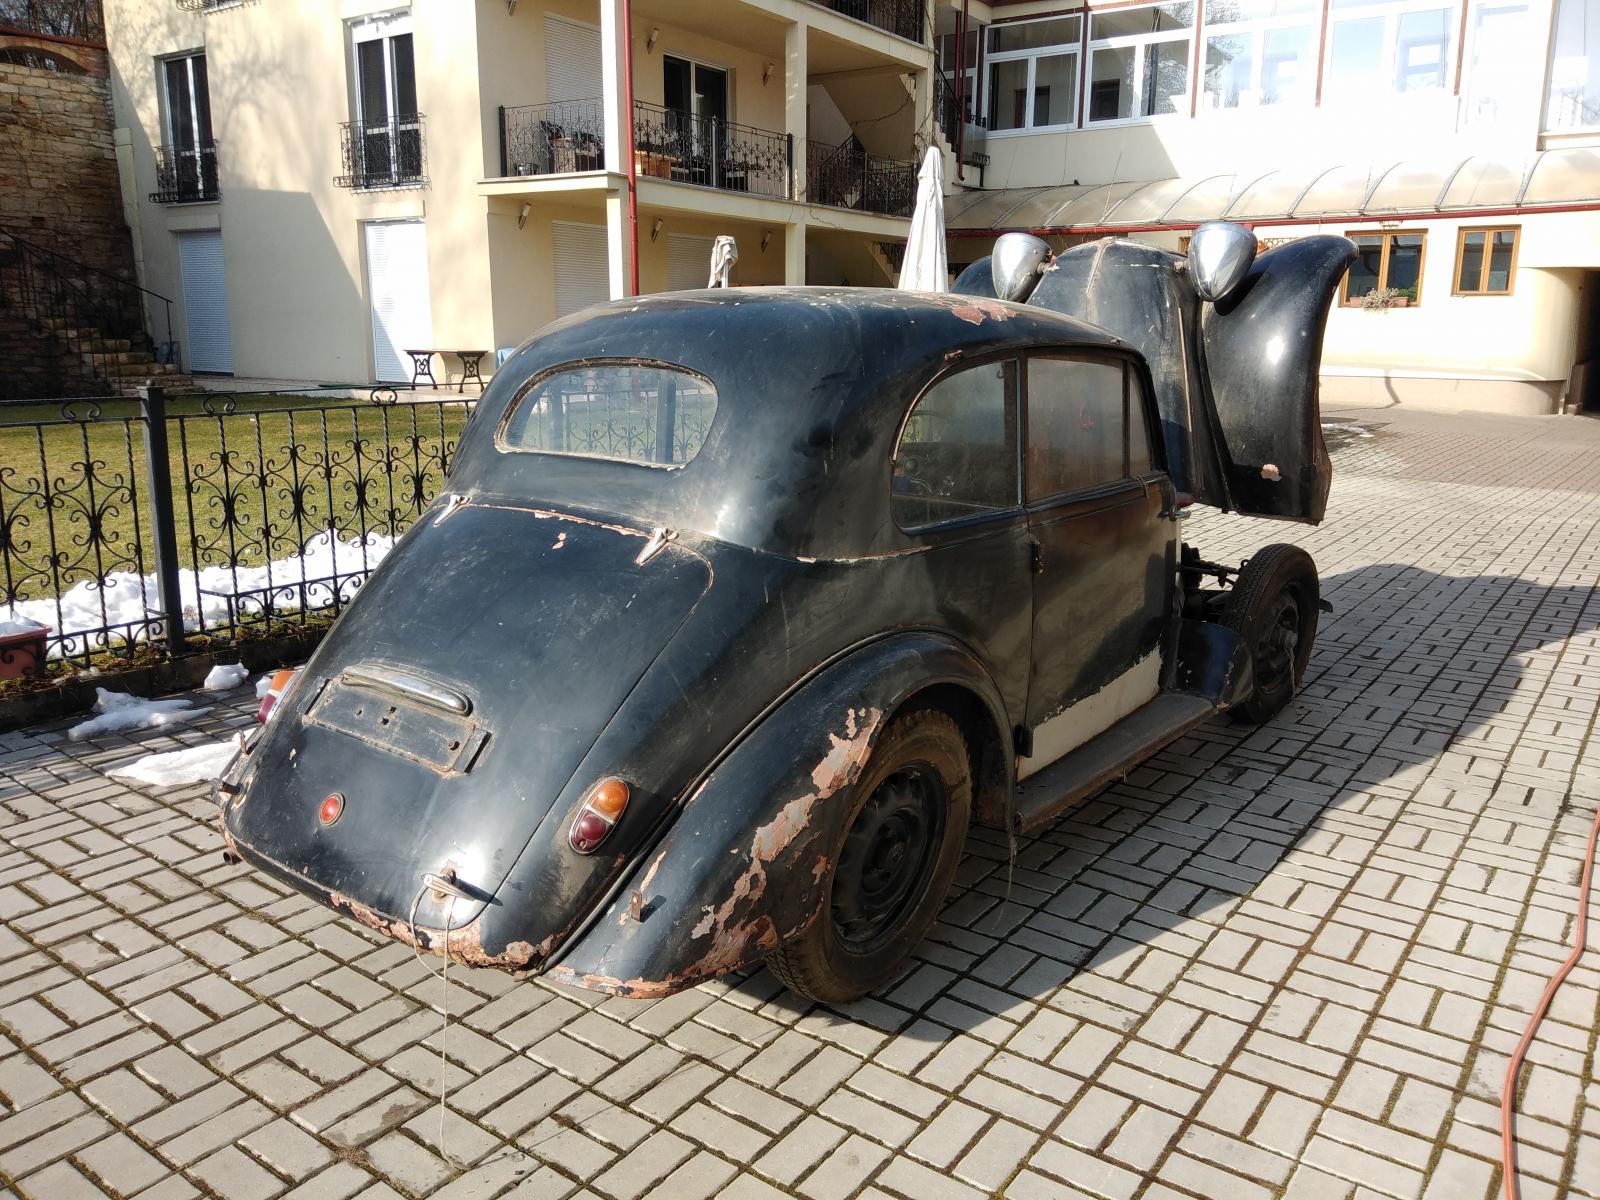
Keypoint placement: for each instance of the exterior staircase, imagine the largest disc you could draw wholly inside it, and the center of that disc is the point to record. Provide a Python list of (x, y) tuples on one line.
[(70, 330), (117, 361)]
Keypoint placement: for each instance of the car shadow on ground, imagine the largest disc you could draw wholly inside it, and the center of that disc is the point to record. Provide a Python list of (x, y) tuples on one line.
[(1169, 853)]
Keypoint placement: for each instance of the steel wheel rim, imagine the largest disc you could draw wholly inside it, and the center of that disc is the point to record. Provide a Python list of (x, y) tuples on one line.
[(1279, 642), (888, 856)]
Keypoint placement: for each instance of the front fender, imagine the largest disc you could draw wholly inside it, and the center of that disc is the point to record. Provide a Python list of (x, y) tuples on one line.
[(746, 866)]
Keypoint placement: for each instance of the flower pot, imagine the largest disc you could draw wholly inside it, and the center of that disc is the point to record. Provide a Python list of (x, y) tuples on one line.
[(21, 648)]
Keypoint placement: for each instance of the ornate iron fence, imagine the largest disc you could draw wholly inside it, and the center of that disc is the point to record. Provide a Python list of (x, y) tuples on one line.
[(383, 154), (901, 17), (186, 174), (552, 139), (846, 176), (123, 522), (710, 152)]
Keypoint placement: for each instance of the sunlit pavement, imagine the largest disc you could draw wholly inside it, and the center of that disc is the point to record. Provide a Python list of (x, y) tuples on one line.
[(1288, 960)]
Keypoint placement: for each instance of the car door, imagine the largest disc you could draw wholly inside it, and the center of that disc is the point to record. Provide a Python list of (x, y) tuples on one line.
[(1105, 546), (956, 482)]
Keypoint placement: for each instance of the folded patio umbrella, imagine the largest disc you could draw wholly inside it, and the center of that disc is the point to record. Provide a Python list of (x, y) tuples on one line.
[(925, 268)]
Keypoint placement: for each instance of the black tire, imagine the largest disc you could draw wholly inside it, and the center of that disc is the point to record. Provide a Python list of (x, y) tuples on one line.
[(893, 861), (1273, 607)]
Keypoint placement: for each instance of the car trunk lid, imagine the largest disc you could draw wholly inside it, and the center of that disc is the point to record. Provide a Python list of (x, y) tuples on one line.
[(450, 711)]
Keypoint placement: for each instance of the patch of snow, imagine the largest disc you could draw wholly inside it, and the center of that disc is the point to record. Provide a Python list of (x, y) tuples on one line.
[(224, 676), (193, 764), (7, 628), (263, 686), (127, 599), (119, 710)]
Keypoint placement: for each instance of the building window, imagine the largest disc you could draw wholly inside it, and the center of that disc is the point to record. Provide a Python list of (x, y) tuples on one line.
[(1033, 73), (1573, 101), (1378, 49), (1486, 261), (1499, 48), (1139, 61), (1260, 52), (186, 164), (1391, 261), (384, 145)]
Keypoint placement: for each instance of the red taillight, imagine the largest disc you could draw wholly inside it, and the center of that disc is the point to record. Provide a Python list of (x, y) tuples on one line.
[(331, 809), (277, 688), (598, 815)]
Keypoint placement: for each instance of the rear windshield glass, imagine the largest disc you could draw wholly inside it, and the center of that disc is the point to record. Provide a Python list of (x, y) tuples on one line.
[(622, 411)]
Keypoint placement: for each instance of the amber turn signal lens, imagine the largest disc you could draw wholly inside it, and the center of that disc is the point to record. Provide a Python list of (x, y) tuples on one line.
[(277, 688), (332, 807), (598, 814)]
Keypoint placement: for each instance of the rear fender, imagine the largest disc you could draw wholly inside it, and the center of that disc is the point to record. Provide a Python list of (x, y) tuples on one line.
[(746, 865)]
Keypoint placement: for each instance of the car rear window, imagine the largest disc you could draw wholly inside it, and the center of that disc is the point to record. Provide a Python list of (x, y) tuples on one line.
[(630, 412)]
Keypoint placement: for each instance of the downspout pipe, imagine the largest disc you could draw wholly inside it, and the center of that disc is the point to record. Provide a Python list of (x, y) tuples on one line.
[(628, 146), (962, 26)]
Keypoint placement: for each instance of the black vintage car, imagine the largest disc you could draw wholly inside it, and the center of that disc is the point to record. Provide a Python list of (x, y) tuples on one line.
[(744, 604)]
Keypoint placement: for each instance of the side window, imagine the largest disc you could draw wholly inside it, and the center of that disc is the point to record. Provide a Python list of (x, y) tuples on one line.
[(957, 455), (1075, 425)]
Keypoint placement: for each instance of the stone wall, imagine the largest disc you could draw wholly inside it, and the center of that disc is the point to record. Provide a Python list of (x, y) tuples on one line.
[(59, 190), (58, 166)]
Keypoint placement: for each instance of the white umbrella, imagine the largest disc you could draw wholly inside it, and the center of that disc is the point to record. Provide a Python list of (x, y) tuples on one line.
[(724, 253), (926, 269)]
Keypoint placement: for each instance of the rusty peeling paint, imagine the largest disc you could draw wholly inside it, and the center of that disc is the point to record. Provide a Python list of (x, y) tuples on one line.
[(975, 309)]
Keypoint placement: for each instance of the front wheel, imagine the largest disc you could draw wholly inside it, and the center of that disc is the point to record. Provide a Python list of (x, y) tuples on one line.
[(1273, 607), (892, 864)]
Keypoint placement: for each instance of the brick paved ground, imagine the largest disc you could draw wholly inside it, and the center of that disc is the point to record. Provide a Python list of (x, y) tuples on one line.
[(1290, 960)]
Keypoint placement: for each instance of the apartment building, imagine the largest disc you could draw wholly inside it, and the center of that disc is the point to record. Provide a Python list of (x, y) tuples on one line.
[(1456, 141), (323, 186)]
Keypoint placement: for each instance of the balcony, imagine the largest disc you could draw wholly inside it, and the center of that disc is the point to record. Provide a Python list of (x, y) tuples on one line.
[(711, 153), (569, 136), (846, 176), (552, 139), (383, 154), (186, 174), (903, 18)]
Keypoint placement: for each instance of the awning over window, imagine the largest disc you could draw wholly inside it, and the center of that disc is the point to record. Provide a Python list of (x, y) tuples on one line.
[(1548, 178)]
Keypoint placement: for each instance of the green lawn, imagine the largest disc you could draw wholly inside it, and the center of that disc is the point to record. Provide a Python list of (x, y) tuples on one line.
[(248, 486)]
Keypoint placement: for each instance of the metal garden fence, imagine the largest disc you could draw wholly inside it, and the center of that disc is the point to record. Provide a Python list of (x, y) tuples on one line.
[(148, 520)]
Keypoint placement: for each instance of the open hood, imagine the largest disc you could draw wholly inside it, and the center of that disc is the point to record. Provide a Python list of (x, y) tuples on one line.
[(1235, 380)]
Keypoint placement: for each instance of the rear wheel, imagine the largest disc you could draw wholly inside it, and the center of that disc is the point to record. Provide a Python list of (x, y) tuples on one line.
[(892, 864), (1273, 607)]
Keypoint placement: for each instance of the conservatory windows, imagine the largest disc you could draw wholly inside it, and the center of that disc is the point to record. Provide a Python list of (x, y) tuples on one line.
[(1260, 52), (1377, 48), (1139, 61), (1033, 73)]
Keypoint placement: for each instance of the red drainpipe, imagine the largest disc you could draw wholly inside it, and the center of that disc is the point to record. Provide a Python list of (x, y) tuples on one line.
[(627, 144)]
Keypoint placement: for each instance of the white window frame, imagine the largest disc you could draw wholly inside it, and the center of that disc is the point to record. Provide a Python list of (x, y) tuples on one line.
[(1138, 42), (1256, 29), (1471, 90), (1391, 13), (187, 59), (377, 29), (1546, 124), (1031, 55)]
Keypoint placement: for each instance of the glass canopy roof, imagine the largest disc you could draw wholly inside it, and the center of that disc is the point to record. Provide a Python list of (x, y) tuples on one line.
[(1570, 175)]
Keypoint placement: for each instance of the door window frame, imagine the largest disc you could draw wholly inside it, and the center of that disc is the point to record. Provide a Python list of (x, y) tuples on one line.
[(1134, 395), (1014, 411)]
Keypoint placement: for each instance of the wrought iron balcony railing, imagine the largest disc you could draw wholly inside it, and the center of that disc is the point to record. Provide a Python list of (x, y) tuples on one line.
[(846, 176), (552, 139), (904, 18), (186, 174), (711, 153), (963, 129), (383, 154)]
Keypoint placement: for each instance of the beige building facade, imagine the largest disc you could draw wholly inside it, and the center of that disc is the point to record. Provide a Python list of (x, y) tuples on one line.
[(1456, 141), (322, 186)]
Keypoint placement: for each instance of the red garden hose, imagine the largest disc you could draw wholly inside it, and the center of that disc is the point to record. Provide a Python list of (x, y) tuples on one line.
[(1508, 1097)]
